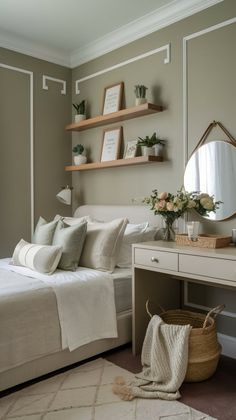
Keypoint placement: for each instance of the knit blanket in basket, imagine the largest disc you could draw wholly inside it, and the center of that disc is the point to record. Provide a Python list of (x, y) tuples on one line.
[(164, 360)]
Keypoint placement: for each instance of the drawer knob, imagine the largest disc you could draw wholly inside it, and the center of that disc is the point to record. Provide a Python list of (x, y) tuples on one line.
[(154, 259)]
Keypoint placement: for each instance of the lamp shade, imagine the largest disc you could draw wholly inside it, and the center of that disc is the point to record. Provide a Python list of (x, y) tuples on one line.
[(64, 196)]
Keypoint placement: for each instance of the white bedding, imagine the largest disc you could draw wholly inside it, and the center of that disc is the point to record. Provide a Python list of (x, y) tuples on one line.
[(81, 298)]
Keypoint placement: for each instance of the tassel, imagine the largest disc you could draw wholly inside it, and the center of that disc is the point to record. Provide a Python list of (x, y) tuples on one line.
[(123, 391)]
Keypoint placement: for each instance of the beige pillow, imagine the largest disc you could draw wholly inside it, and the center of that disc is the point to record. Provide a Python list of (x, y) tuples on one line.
[(41, 258), (133, 234), (102, 244)]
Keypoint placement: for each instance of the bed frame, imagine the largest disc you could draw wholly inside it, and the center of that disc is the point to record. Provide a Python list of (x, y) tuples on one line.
[(52, 362)]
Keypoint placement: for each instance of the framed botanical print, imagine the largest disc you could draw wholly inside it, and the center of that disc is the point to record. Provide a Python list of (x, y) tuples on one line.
[(130, 149), (112, 99), (111, 144)]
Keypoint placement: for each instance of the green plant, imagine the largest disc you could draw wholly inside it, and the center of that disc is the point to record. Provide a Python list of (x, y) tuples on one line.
[(140, 91), (150, 141), (78, 149), (80, 108)]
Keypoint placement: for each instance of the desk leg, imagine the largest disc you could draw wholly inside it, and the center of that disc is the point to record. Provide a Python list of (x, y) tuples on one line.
[(159, 288)]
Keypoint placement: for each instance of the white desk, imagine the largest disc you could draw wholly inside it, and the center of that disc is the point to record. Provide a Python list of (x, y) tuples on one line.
[(157, 269)]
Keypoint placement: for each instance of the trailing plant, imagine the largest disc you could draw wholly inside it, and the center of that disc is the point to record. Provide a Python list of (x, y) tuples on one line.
[(78, 149), (80, 108), (140, 91), (150, 141)]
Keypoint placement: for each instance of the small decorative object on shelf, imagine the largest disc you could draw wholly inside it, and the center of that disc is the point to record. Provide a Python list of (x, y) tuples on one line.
[(112, 100), (80, 111), (140, 94), (130, 149), (171, 207), (151, 145), (79, 158)]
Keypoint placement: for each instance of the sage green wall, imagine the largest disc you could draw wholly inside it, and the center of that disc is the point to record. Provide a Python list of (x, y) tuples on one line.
[(207, 56), (52, 148), (211, 96)]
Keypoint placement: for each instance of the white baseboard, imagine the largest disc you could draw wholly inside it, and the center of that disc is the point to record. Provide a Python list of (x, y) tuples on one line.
[(228, 345)]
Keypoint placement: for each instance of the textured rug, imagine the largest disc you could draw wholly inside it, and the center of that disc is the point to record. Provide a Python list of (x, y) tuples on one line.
[(85, 393)]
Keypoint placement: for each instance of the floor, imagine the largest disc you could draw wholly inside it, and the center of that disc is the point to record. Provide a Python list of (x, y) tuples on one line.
[(215, 397)]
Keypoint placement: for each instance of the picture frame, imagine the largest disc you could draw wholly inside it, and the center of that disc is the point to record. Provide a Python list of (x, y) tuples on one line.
[(111, 144), (130, 149), (112, 98)]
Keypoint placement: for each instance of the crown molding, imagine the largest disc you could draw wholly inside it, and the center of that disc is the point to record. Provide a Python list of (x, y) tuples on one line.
[(33, 49), (151, 22)]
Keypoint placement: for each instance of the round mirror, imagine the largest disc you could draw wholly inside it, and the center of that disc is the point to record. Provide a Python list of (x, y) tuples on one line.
[(212, 169)]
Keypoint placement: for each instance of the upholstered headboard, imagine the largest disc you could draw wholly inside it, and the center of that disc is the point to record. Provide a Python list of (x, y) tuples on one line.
[(134, 213)]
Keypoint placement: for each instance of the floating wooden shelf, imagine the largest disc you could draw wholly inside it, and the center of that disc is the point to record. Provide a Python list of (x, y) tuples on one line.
[(139, 160), (122, 115)]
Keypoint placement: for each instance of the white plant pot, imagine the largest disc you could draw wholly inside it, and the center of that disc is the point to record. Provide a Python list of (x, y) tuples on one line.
[(79, 117), (80, 159), (140, 101), (147, 151), (158, 149)]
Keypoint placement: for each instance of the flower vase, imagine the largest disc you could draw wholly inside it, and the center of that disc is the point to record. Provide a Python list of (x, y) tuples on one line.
[(168, 231)]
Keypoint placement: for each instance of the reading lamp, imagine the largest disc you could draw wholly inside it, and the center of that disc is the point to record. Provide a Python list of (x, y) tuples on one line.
[(64, 196)]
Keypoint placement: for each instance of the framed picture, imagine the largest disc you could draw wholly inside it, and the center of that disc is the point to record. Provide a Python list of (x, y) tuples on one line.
[(112, 99), (130, 149), (111, 144)]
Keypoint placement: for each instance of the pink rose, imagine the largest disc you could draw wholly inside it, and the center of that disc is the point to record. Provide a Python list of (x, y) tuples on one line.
[(163, 195)]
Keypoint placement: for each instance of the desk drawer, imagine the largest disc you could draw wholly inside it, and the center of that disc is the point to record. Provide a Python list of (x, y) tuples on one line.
[(209, 267), (156, 259)]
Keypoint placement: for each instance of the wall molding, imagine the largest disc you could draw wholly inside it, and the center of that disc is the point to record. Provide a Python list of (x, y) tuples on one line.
[(53, 79), (185, 78), (147, 24), (30, 74), (167, 60)]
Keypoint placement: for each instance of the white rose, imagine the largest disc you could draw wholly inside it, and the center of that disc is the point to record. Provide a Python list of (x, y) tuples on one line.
[(207, 203), (191, 204), (170, 206)]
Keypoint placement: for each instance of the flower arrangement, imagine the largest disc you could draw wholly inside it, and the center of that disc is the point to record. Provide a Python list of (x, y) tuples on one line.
[(171, 206)]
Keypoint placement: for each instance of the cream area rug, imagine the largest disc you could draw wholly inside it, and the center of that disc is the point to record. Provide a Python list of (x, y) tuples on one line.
[(85, 393)]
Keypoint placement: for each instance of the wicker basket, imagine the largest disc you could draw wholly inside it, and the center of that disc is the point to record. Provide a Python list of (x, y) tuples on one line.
[(204, 349)]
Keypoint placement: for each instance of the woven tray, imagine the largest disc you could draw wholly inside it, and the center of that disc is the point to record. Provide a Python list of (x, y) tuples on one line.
[(204, 241)]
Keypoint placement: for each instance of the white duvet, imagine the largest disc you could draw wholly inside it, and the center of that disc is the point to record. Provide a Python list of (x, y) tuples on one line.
[(85, 300)]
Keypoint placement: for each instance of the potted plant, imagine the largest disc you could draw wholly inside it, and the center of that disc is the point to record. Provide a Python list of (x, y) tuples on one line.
[(80, 111), (79, 158), (140, 94), (151, 145)]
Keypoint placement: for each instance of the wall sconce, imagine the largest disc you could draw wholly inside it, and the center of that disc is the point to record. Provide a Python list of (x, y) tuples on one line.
[(64, 196)]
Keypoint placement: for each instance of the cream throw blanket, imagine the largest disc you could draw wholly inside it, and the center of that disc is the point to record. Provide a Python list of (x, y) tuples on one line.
[(164, 360)]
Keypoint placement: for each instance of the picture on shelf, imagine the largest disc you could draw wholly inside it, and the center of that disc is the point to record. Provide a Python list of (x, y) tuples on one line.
[(112, 99), (131, 149), (111, 144)]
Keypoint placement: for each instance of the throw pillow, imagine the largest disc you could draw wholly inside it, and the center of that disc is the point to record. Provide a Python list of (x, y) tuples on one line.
[(43, 234), (41, 258), (102, 244), (71, 239)]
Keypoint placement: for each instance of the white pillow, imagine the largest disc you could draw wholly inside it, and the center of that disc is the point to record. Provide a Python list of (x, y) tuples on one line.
[(134, 234), (41, 258), (102, 244)]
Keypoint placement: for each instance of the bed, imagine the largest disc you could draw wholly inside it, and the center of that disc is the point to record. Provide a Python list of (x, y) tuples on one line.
[(49, 354)]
